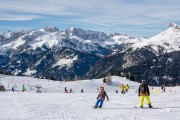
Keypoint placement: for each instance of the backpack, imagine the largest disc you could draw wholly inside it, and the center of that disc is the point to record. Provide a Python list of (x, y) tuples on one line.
[(143, 89)]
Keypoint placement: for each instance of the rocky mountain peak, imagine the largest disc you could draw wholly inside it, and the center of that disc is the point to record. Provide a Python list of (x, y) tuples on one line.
[(51, 29), (173, 25)]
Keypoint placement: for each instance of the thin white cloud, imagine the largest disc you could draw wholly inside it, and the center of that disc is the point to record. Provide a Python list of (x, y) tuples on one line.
[(17, 17), (107, 13), (115, 8)]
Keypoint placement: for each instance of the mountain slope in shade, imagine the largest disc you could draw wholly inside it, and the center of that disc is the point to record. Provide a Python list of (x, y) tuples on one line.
[(159, 70)]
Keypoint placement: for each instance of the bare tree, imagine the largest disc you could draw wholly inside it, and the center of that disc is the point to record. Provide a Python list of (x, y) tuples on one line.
[(109, 79), (75, 78)]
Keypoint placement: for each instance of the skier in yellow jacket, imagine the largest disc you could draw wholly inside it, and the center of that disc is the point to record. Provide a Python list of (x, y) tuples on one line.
[(127, 88), (122, 89), (143, 92)]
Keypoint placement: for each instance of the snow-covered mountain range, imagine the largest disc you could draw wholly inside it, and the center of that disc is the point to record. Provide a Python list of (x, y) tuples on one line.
[(53, 52), (143, 50), (165, 42)]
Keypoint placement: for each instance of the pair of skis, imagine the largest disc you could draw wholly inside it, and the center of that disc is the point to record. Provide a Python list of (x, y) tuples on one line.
[(95, 107), (136, 107), (144, 107)]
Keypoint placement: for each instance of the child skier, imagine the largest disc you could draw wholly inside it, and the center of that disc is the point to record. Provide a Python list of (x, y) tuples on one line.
[(143, 92), (127, 88), (101, 97)]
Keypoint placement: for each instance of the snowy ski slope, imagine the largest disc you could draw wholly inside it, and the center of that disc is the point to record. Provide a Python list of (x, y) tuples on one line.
[(54, 104)]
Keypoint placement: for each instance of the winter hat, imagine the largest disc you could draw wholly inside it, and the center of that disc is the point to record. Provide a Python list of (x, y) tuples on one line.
[(143, 81)]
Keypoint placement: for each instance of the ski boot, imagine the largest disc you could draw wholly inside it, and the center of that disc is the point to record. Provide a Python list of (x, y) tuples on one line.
[(150, 106), (95, 107)]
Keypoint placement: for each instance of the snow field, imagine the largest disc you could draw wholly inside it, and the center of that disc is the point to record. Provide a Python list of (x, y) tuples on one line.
[(54, 104)]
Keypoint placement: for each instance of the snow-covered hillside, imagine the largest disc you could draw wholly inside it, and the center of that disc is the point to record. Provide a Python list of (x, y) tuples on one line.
[(167, 41), (124, 39), (49, 86), (54, 104)]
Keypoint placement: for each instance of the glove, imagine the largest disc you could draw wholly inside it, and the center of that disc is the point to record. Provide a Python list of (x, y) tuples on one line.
[(97, 98), (139, 95)]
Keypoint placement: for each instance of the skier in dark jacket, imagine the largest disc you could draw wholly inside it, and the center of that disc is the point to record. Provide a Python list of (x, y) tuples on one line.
[(117, 91), (143, 92), (82, 90), (65, 90), (13, 88), (101, 97)]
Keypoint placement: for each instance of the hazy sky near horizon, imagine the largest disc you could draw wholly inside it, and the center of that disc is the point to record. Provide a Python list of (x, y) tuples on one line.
[(134, 17)]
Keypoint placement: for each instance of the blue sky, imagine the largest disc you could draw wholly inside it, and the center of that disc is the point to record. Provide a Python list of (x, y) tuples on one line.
[(134, 17)]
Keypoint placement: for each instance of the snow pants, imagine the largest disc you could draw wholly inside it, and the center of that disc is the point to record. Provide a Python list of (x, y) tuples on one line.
[(99, 101), (142, 100)]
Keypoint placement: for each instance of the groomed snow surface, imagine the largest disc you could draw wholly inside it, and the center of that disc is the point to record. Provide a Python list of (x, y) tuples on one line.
[(54, 104)]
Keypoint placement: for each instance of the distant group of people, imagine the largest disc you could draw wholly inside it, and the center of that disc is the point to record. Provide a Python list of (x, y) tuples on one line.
[(66, 91), (23, 89), (70, 91), (124, 89)]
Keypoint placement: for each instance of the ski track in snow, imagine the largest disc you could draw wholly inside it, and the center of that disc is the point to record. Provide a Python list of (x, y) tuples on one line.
[(53, 104)]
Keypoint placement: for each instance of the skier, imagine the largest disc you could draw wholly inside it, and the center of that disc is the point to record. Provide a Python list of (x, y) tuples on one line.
[(70, 90), (122, 89), (164, 88), (117, 91), (143, 92), (82, 91), (101, 97), (65, 90), (13, 88), (127, 88), (104, 80), (23, 88), (97, 90)]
